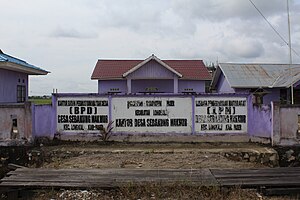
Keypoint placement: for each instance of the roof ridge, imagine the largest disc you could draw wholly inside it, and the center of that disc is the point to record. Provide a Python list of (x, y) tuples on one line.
[(259, 63), (107, 59)]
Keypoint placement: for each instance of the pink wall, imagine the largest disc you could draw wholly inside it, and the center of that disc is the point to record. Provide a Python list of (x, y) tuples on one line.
[(8, 85)]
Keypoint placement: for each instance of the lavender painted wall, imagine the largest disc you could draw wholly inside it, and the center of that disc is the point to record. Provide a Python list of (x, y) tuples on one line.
[(223, 85), (196, 86), (259, 120), (105, 86), (8, 85), (274, 95), (162, 85), (43, 121), (152, 69)]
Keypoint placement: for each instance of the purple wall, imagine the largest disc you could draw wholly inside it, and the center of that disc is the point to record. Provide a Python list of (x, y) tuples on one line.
[(165, 86), (274, 95), (259, 120), (8, 85), (223, 85), (259, 117), (152, 69), (105, 86), (197, 86), (43, 121)]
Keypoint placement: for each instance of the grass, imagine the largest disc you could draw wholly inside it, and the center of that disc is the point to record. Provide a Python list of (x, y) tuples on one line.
[(40, 101)]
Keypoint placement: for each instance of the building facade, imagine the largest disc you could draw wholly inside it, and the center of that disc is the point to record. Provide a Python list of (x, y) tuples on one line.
[(16, 113), (14, 74), (151, 75), (265, 82)]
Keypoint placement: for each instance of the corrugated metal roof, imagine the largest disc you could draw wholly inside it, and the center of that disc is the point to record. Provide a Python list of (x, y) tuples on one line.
[(7, 58), (260, 75)]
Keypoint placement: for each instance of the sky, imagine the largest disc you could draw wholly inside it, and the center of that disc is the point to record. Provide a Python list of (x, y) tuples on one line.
[(67, 37)]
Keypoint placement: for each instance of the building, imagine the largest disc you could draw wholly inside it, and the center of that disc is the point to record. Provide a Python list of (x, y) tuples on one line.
[(16, 114), (14, 78), (266, 82), (151, 75)]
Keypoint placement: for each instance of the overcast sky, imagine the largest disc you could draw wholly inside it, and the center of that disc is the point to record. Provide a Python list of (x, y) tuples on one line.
[(67, 37)]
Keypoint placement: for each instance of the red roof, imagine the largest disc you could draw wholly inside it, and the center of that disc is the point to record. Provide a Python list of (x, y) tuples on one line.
[(114, 69)]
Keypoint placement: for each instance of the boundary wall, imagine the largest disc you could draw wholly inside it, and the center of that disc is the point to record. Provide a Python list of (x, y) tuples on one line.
[(157, 116)]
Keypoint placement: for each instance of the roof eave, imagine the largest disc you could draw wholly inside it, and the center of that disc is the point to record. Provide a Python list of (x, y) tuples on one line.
[(23, 69), (107, 79)]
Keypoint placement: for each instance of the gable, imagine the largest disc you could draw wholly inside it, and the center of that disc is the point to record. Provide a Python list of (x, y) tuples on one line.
[(151, 70), (152, 58)]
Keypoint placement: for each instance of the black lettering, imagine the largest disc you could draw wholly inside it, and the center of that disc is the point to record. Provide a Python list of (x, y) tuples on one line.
[(160, 112), (178, 122), (62, 119), (139, 122), (215, 127), (77, 127), (82, 110), (66, 127), (153, 103), (142, 112), (237, 127), (89, 110), (228, 127), (204, 127), (170, 103), (124, 123), (157, 122), (134, 104), (76, 110)]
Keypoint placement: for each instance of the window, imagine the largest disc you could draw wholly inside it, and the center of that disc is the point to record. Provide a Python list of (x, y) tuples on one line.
[(207, 86), (21, 93)]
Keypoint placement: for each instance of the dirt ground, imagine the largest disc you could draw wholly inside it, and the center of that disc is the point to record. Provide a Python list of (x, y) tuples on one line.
[(148, 156)]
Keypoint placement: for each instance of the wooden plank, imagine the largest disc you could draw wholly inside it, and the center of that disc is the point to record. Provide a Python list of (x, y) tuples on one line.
[(237, 175), (259, 182), (183, 174), (256, 171), (99, 177)]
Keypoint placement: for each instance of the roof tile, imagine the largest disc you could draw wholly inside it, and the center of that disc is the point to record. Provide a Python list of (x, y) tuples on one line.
[(114, 69)]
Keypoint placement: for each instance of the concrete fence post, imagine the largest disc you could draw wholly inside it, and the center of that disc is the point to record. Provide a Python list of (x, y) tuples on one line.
[(275, 106)]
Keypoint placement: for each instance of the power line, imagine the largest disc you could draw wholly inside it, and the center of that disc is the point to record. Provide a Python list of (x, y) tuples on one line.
[(281, 37)]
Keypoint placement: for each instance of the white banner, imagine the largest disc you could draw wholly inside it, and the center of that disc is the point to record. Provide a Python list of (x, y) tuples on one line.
[(221, 115), (152, 114), (81, 114)]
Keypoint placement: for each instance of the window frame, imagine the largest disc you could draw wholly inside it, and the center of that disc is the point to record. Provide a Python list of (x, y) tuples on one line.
[(21, 93)]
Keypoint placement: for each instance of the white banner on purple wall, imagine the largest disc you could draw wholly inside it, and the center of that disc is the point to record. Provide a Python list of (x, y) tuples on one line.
[(81, 114), (152, 114), (221, 115)]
